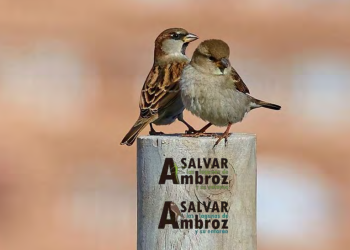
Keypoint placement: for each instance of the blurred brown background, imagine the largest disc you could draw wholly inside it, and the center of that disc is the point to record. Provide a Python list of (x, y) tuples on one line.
[(70, 76)]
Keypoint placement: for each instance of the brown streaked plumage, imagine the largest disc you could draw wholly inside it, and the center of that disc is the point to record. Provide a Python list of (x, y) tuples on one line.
[(161, 88), (160, 100), (240, 85)]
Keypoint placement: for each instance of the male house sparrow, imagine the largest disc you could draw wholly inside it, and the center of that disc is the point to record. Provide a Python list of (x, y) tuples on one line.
[(212, 90), (160, 100)]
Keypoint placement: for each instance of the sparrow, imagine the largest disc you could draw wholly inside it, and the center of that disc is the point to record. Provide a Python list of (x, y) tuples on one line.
[(212, 89), (160, 99), (175, 209)]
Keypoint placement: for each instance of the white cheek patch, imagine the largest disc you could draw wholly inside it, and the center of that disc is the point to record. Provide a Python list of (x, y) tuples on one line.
[(172, 46)]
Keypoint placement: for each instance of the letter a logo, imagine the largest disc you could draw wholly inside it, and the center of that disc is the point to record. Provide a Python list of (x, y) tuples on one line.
[(169, 165)]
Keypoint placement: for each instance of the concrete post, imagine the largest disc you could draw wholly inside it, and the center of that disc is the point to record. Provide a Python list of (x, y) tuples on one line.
[(236, 161)]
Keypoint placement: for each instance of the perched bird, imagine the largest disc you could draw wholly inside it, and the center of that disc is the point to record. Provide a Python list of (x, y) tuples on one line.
[(175, 209), (160, 100), (212, 90)]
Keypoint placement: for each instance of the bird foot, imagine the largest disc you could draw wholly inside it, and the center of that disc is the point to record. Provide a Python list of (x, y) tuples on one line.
[(199, 134), (223, 136), (191, 134), (155, 133), (191, 131)]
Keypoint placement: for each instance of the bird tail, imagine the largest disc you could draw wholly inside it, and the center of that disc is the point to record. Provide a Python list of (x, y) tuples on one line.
[(258, 103), (131, 136)]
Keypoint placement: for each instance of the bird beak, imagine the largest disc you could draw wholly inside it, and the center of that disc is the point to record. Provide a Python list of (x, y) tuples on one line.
[(223, 64), (189, 38)]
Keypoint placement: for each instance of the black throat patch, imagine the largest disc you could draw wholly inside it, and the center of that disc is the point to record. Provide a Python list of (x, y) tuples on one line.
[(184, 47)]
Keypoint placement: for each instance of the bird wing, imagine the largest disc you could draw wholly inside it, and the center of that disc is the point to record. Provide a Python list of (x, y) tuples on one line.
[(238, 82), (161, 88)]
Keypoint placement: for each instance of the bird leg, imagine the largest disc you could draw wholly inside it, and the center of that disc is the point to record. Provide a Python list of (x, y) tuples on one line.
[(190, 130), (224, 135), (197, 133), (204, 128), (153, 132)]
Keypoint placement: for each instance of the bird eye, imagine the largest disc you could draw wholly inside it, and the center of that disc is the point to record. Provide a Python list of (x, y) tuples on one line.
[(175, 35), (211, 58)]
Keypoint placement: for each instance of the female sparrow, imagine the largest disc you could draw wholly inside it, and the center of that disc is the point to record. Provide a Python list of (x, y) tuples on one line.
[(160, 100), (212, 90)]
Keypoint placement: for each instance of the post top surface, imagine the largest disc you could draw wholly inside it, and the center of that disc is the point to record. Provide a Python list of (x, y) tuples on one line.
[(210, 137)]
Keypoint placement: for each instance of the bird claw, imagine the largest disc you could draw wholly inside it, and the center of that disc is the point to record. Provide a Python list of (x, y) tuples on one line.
[(155, 133), (191, 132), (223, 136), (197, 134), (188, 134)]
